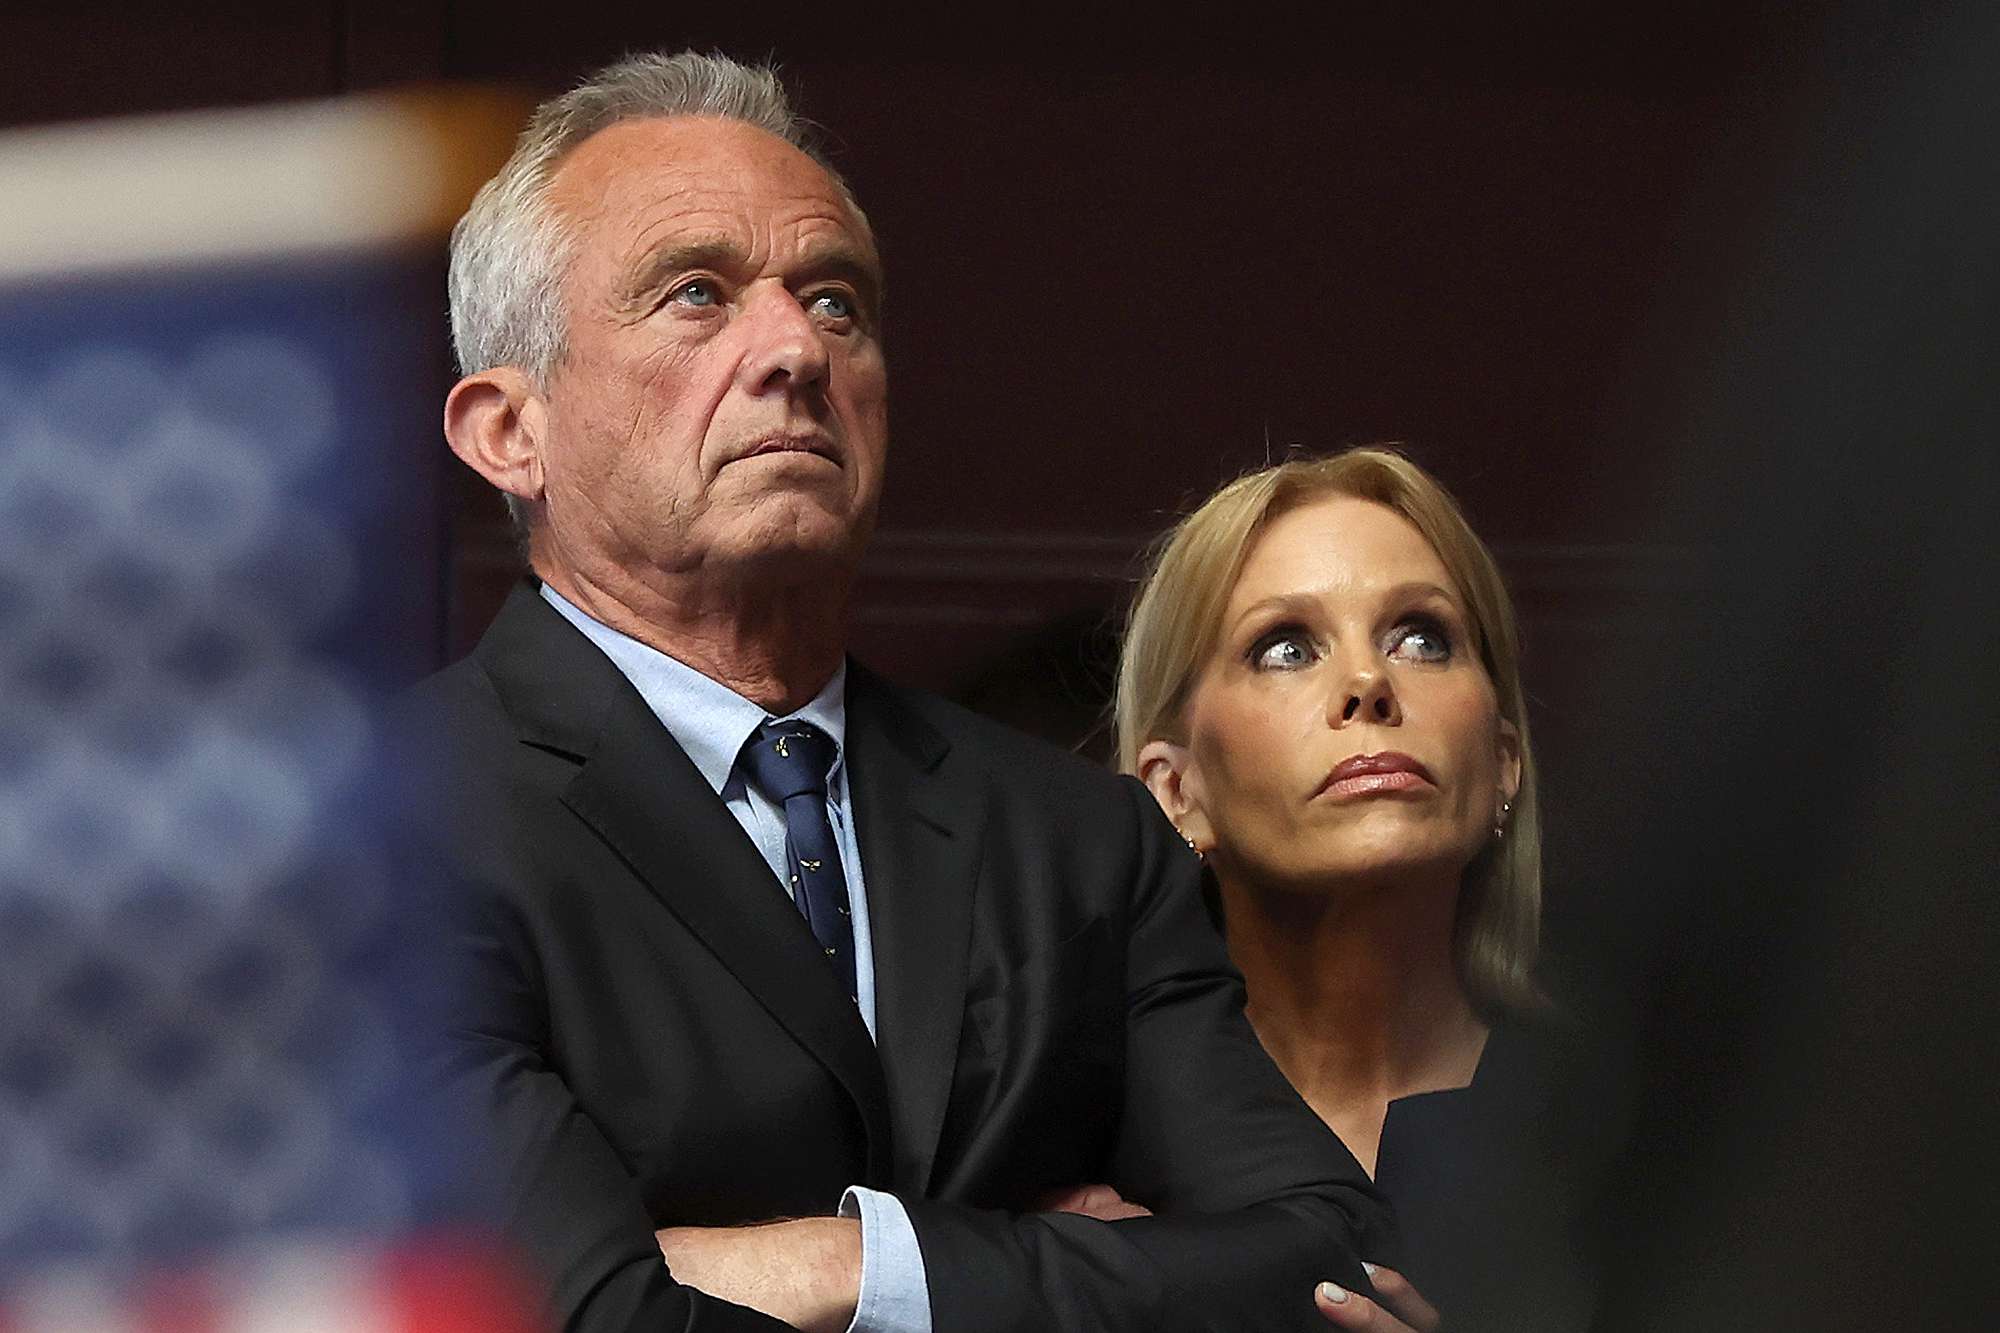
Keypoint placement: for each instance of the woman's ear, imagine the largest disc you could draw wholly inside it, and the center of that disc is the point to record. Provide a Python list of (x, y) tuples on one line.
[(1507, 749), (495, 422), (1169, 772)]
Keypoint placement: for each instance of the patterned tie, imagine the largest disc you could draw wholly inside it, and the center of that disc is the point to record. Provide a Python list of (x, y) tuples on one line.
[(789, 762)]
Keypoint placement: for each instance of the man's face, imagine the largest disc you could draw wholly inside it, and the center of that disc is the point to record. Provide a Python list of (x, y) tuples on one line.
[(722, 400)]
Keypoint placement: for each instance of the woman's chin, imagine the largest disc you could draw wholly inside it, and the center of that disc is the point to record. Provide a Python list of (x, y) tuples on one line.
[(1380, 862)]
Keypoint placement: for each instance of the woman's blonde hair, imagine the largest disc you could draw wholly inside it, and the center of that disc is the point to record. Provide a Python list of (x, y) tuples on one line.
[(1177, 620)]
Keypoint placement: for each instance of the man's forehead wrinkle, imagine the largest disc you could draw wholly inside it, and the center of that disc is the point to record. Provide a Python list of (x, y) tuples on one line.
[(670, 246), (649, 202)]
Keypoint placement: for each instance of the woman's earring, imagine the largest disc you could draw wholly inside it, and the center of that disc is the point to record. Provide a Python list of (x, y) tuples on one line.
[(1500, 820), (1199, 854)]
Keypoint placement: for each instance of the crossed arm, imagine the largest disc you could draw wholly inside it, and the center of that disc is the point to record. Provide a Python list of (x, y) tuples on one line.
[(807, 1272), (1257, 1201), (1067, 1268), (1263, 1205)]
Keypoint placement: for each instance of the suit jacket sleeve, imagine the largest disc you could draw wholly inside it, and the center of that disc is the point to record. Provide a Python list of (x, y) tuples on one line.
[(541, 1172), (562, 1191), (1256, 1200)]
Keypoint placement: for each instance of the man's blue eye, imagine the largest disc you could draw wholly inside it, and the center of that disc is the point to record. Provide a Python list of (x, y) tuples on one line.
[(694, 293), (833, 305)]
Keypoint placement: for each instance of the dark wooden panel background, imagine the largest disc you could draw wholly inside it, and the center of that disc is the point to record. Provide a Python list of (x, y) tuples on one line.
[(1128, 261)]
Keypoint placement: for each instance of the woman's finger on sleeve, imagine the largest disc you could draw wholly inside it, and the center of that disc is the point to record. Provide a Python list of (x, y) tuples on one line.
[(1347, 1309), (1401, 1299)]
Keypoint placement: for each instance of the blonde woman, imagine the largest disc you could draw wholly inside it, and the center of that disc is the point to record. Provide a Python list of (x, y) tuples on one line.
[(1320, 686)]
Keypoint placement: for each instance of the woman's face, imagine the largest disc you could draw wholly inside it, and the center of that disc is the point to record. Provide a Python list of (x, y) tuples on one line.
[(1345, 728)]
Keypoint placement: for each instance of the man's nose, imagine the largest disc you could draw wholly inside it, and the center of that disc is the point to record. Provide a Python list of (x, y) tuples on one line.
[(786, 350), (1366, 694)]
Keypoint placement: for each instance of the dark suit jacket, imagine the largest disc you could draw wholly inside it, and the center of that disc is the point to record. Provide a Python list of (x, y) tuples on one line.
[(647, 1033)]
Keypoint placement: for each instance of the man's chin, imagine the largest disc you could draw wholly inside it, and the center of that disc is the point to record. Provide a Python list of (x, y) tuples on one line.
[(792, 535)]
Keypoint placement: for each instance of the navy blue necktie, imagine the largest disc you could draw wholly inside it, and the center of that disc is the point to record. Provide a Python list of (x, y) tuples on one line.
[(789, 762)]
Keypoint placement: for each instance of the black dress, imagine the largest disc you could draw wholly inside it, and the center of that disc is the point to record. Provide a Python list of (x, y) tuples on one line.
[(1494, 1183)]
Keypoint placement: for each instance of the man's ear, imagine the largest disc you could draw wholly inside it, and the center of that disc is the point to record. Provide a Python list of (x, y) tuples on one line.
[(496, 423), (1167, 770), (1507, 748)]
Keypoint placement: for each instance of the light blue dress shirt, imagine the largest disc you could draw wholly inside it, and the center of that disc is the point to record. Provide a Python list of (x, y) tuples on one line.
[(711, 722)]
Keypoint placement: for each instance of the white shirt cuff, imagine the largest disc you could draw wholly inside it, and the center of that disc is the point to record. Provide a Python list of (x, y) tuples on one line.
[(895, 1297)]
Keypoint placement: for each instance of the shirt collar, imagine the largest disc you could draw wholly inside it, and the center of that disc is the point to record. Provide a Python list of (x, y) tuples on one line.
[(705, 717)]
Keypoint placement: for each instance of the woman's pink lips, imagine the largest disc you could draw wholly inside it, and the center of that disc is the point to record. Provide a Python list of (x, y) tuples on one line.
[(1376, 774)]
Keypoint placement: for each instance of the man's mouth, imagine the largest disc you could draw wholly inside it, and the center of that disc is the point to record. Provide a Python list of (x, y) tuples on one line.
[(816, 445)]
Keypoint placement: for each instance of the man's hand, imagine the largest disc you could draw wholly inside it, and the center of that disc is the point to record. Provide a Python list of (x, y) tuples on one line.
[(806, 1271), (1098, 1201), (1402, 1307)]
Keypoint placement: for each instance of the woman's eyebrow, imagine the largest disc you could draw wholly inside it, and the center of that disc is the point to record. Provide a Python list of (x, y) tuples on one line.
[(1291, 603), (1301, 604), (1421, 588)]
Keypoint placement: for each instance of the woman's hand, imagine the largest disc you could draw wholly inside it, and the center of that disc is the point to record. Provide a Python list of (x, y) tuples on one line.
[(1098, 1201), (1402, 1305)]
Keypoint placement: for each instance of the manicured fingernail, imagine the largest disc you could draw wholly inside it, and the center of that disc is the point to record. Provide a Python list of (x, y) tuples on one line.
[(1368, 1268), (1328, 1291)]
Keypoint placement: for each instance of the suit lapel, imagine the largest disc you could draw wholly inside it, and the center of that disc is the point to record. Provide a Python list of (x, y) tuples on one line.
[(920, 822), (639, 792)]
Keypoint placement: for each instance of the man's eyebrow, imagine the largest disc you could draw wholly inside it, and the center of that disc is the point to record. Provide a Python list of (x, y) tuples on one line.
[(845, 263), (663, 263), (841, 262)]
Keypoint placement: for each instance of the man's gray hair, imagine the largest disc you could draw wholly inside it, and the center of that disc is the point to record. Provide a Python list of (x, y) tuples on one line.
[(510, 251)]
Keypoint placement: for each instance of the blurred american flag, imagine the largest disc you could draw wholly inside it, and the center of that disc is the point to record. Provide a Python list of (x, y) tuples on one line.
[(220, 350)]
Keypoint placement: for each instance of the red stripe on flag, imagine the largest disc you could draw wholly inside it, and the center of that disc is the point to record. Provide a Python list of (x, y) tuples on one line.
[(178, 1303), (456, 1286)]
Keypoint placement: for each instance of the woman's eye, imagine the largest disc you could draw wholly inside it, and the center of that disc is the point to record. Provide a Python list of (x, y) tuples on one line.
[(832, 305), (1287, 651), (1422, 640), (697, 292)]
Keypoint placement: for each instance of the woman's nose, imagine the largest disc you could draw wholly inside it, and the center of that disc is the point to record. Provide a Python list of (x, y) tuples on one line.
[(1368, 695)]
